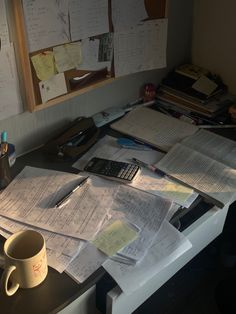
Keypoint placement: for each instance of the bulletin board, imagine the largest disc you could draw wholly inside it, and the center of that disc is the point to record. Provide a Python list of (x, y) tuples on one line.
[(77, 80)]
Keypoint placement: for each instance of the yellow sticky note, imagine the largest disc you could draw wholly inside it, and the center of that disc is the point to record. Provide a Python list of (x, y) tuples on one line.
[(44, 65), (115, 237)]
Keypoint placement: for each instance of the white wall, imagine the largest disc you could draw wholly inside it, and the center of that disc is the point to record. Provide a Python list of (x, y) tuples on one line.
[(30, 130), (214, 38)]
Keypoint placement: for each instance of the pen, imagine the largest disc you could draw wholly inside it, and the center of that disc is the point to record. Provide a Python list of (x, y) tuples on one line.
[(128, 143), (150, 167), (66, 197)]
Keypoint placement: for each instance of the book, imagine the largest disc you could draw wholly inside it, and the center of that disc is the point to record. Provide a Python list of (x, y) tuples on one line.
[(154, 128), (191, 70), (210, 109), (183, 85), (206, 162)]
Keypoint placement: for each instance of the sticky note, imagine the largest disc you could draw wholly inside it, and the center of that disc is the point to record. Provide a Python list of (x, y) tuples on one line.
[(114, 237), (44, 65)]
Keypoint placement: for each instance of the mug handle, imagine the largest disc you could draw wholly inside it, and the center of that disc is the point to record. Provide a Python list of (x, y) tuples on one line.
[(5, 278)]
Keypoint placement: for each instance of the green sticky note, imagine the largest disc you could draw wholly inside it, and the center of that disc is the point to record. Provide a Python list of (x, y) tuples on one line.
[(115, 237)]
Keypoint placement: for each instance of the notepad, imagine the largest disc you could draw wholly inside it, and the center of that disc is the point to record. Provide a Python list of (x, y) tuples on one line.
[(154, 128)]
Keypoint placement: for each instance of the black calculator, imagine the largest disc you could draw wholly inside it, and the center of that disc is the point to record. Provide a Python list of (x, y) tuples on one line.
[(116, 170)]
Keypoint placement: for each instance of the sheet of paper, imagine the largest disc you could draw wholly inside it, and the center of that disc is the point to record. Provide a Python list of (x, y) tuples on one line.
[(4, 32), (10, 103), (204, 85), (115, 237), (90, 56), (127, 14), (145, 211), (44, 65), (56, 260), (169, 246), (53, 87), (54, 241), (47, 23), (86, 263), (88, 18), (141, 48), (147, 181), (67, 56), (210, 178), (213, 145), (153, 127), (31, 198)]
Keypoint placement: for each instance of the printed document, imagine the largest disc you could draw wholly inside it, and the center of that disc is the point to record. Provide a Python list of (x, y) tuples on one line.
[(169, 245), (147, 181), (141, 48), (206, 162)]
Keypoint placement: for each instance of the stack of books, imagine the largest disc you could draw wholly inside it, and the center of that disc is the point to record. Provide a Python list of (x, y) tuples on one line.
[(194, 89)]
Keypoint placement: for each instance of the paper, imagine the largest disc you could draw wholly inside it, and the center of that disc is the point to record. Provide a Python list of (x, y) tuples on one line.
[(86, 263), (88, 18), (32, 195), (210, 178), (213, 145), (90, 56), (53, 87), (169, 246), (4, 32), (140, 49), (57, 242), (204, 85), (147, 181), (56, 260), (127, 14), (115, 237), (153, 127), (44, 65), (47, 23), (67, 56), (10, 103)]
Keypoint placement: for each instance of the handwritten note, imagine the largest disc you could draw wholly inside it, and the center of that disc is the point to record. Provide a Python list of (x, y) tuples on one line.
[(44, 65), (10, 103), (114, 237), (4, 32), (126, 14), (47, 23), (88, 18), (53, 87), (67, 56)]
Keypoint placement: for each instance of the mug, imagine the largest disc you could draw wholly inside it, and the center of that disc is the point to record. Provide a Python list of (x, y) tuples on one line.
[(25, 261)]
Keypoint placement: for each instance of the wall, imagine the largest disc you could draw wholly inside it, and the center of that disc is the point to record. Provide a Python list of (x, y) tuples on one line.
[(29, 130), (214, 33)]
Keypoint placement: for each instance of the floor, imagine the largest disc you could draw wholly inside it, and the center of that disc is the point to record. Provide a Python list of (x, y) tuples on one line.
[(206, 285)]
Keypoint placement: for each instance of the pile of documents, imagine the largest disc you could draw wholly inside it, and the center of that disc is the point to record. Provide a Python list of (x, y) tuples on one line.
[(103, 221)]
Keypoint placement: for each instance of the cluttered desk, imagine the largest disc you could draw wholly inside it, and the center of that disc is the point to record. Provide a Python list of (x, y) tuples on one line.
[(115, 221)]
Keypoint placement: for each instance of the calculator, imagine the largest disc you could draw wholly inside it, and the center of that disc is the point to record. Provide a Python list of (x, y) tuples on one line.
[(116, 170)]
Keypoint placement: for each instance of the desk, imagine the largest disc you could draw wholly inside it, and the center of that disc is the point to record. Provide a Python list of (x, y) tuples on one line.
[(59, 293)]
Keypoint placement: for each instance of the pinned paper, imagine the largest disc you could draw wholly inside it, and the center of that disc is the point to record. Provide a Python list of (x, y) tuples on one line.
[(44, 65), (53, 87), (115, 237), (67, 56)]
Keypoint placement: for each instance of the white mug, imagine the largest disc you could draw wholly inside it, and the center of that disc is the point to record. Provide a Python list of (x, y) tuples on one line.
[(25, 261)]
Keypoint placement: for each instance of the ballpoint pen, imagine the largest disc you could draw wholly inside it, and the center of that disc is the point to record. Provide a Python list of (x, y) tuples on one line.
[(62, 201), (150, 167)]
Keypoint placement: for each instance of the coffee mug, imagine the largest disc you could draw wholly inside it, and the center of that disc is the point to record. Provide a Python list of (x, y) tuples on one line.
[(25, 261)]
